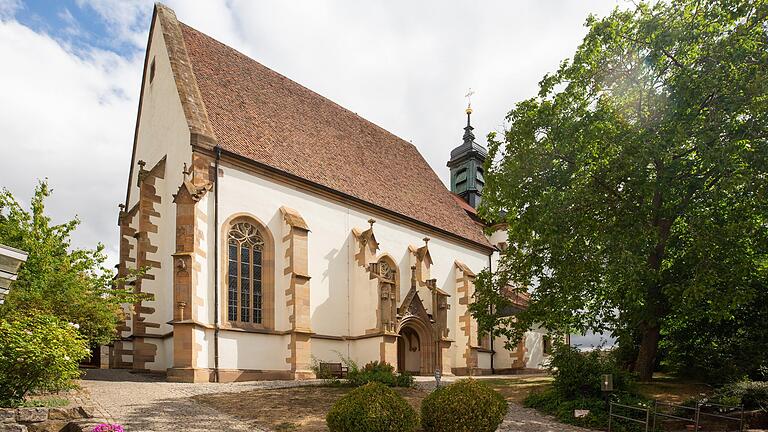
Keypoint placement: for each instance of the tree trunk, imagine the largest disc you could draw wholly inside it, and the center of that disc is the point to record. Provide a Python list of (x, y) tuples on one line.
[(646, 356)]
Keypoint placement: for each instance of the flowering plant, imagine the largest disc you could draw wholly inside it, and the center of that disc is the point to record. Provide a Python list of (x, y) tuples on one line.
[(107, 427)]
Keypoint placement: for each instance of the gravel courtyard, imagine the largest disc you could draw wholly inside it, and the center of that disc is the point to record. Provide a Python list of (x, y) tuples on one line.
[(144, 403)]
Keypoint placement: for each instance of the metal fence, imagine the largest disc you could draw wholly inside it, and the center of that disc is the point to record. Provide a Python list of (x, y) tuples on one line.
[(626, 413), (647, 416)]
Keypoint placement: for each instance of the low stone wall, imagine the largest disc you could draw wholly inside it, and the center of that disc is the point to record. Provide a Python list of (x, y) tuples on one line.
[(74, 419)]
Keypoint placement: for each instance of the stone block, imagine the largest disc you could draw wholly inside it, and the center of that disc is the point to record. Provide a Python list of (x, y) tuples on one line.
[(12, 427), (48, 426), (86, 411), (7, 415), (31, 415), (63, 413), (82, 425)]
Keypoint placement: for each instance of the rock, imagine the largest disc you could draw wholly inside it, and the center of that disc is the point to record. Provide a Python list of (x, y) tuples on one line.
[(12, 427), (86, 411), (81, 425), (59, 414), (7, 415), (31, 415), (48, 426)]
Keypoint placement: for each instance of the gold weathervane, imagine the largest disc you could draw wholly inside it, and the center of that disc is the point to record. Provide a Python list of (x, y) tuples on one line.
[(469, 100)]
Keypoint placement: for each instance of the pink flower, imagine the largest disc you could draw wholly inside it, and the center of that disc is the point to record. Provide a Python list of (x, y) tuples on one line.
[(107, 427)]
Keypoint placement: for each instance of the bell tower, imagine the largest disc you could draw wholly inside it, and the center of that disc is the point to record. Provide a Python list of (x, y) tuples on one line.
[(466, 165)]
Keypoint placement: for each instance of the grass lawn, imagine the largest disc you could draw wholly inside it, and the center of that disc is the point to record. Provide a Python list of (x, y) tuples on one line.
[(290, 409), (304, 408)]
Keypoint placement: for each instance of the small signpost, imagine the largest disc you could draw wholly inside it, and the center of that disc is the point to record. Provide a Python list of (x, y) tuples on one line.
[(438, 375), (606, 385)]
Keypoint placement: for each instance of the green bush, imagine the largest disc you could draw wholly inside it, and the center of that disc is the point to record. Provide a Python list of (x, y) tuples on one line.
[(465, 406), (37, 353), (551, 402), (576, 386), (373, 407), (578, 375), (374, 371), (751, 394)]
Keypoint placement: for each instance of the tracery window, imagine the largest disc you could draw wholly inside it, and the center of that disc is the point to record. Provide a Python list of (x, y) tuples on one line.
[(245, 296)]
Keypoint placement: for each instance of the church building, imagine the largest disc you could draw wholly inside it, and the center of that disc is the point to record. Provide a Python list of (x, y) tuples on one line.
[(279, 228)]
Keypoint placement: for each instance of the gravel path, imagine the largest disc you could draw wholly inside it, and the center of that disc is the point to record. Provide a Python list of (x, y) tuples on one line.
[(521, 419), (144, 403)]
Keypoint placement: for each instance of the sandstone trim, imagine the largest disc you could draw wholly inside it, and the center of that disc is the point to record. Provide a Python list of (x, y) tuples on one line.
[(186, 83), (297, 293), (143, 351), (465, 283)]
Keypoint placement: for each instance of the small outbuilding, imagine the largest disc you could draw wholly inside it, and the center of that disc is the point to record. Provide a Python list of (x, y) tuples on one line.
[(10, 261)]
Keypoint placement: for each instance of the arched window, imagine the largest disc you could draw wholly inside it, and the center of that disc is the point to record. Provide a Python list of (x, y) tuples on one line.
[(245, 293)]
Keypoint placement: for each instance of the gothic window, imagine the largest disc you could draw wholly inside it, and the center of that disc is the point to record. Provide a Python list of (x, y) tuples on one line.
[(245, 294)]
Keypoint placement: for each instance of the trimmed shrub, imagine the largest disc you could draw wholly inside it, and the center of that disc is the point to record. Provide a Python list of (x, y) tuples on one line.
[(38, 353), (465, 406), (373, 407)]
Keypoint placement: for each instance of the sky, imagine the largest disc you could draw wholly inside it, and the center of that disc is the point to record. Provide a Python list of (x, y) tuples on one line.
[(71, 70)]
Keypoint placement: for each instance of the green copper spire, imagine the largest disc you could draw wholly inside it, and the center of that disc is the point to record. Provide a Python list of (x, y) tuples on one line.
[(466, 166)]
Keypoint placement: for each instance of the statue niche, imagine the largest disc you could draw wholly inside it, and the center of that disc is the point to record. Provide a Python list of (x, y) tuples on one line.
[(386, 272)]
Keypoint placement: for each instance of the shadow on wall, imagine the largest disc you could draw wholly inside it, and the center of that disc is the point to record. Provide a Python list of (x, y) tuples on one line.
[(335, 276), (405, 275)]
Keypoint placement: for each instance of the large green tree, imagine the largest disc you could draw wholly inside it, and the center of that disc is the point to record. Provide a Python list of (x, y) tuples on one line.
[(69, 283), (634, 185)]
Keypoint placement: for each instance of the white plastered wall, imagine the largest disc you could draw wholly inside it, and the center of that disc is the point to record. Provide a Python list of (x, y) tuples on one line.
[(162, 132), (343, 299)]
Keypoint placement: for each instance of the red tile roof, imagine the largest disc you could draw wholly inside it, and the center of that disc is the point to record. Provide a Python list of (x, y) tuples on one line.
[(464, 205), (263, 116)]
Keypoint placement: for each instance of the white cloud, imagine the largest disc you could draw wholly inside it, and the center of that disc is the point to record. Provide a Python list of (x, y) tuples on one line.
[(403, 65), (8, 8), (69, 118), (128, 19)]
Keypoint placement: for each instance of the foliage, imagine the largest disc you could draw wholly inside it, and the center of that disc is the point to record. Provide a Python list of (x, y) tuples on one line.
[(579, 375), (37, 352), (634, 185), (47, 402), (321, 370), (720, 350), (374, 371), (464, 406), (553, 403), (373, 407), (751, 394), (72, 284), (577, 386)]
